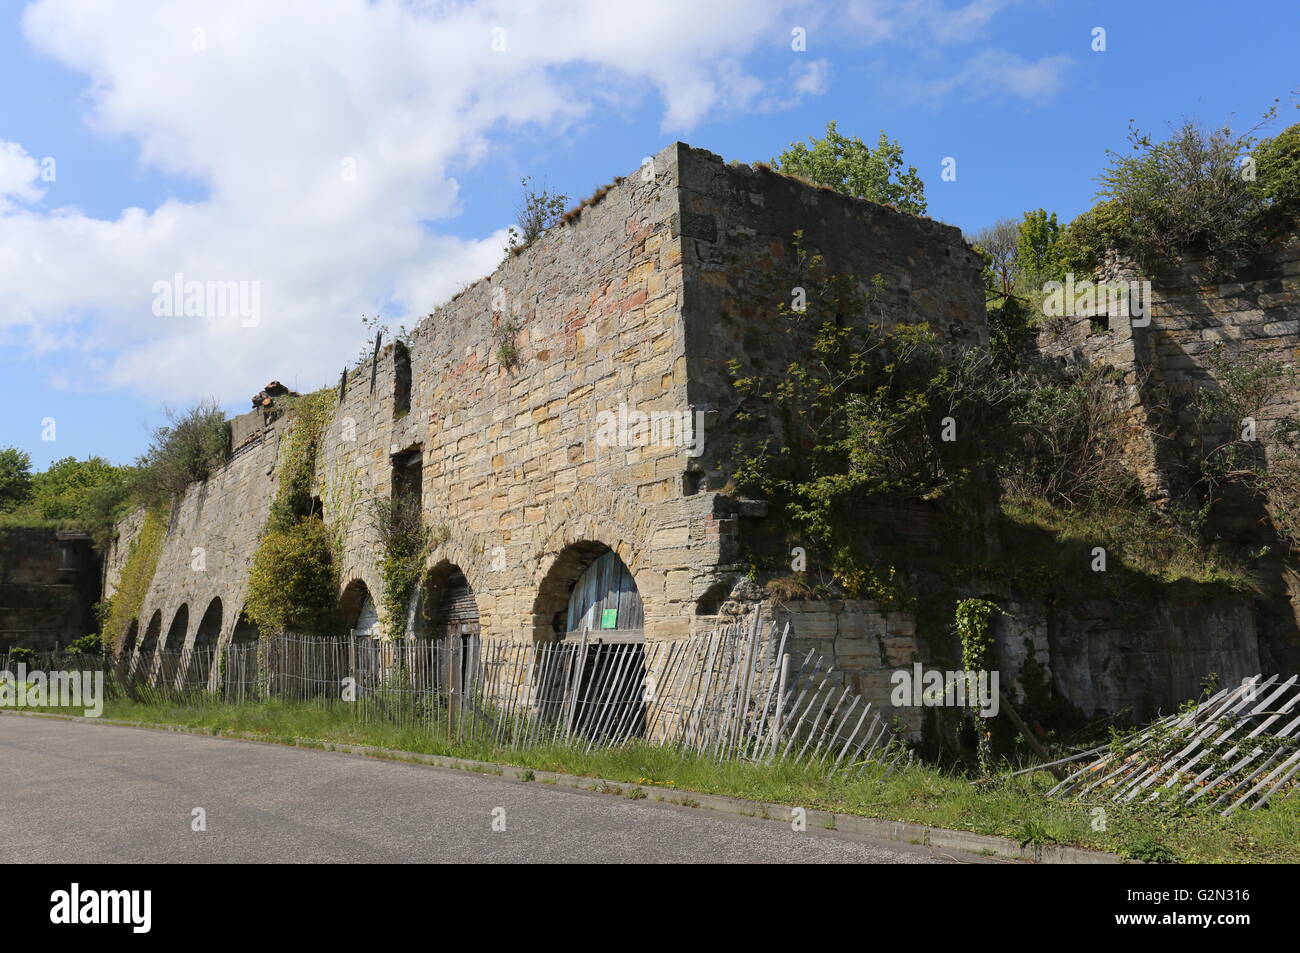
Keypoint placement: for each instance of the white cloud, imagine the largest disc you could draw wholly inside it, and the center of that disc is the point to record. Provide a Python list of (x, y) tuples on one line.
[(997, 73), (262, 104), (18, 175)]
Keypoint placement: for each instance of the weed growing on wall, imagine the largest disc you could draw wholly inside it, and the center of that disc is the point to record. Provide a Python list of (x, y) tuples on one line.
[(137, 576), (404, 542), (972, 619)]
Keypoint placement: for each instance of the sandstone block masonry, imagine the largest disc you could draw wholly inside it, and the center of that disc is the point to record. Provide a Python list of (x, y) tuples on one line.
[(496, 400)]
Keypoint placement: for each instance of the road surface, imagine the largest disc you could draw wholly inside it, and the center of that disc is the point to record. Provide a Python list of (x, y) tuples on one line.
[(72, 792)]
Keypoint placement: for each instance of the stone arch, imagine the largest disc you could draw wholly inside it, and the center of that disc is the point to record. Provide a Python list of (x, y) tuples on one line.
[(552, 606), (170, 665), (448, 603), (209, 629), (128, 640), (357, 608), (584, 524), (179, 628), (245, 631), (151, 633)]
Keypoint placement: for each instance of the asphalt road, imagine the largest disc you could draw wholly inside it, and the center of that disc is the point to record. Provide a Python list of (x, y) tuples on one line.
[(79, 793)]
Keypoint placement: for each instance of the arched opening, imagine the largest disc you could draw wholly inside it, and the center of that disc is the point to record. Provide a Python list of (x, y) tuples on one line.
[(177, 630), (151, 633), (358, 611), (590, 597), (246, 631), (172, 646), (209, 626), (128, 640), (201, 652), (239, 669), (449, 616)]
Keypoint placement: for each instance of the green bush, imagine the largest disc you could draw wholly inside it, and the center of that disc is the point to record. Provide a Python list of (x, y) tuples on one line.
[(1278, 174), (185, 450), (293, 582), (92, 644)]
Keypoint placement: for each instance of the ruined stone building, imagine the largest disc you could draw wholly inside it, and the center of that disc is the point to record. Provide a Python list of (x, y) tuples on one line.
[(491, 415)]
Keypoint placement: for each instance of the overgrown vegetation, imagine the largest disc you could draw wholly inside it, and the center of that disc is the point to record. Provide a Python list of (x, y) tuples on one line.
[(870, 413), (184, 450), (848, 165), (1214, 193), (136, 577), (293, 583), (1239, 448), (403, 542)]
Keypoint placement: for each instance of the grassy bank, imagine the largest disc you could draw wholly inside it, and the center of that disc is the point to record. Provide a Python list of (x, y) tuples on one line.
[(1014, 808)]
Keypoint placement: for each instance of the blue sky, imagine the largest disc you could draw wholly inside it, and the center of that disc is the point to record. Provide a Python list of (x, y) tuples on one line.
[(205, 137)]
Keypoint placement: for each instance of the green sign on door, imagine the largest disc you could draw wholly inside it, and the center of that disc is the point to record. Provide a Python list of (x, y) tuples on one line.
[(609, 619)]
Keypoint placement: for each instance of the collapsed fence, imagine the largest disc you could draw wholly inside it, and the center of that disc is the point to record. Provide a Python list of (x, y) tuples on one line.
[(734, 693), (1235, 749)]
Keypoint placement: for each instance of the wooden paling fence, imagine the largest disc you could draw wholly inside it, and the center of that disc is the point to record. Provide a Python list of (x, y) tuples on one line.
[(1236, 749), (734, 693)]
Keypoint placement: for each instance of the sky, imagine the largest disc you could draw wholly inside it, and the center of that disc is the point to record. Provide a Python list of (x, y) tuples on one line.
[(341, 158)]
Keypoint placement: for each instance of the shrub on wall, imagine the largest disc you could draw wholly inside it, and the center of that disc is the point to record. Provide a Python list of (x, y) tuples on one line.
[(293, 582), (294, 579), (1210, 192), (404, 542), (309, 416)]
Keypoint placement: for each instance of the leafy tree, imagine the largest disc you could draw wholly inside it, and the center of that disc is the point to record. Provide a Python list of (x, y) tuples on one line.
[(1278, 174), (850, 166), (62, 490), (1036, 246), (999, 243), (15, 478)]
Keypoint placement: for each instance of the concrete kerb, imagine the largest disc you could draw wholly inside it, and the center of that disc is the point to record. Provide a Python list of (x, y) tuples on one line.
[(920, 834)]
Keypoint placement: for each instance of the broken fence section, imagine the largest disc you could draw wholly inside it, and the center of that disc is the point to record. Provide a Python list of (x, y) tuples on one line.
[(1236, 749)]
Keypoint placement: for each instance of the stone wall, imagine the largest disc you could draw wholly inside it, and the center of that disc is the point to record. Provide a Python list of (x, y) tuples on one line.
[(1161, 368), (637, 300), (49, 583)]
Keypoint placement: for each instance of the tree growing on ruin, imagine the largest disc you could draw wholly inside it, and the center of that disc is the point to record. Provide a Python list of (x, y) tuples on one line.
[(848, 165)]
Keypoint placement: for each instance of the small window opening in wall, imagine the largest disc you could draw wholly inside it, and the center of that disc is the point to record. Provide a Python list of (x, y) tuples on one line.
[(1099, 324), (408, 479), (692, 480), (401, 380)]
